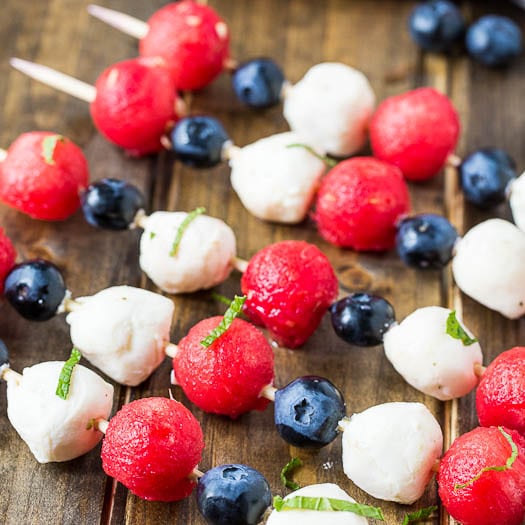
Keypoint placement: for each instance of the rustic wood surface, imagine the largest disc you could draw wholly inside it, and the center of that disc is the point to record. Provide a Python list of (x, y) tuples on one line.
[(368, 34)]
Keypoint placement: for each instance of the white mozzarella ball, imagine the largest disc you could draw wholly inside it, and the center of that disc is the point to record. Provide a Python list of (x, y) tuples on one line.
[(315, 517), (123, 331), (56, 429), (489, 266), (389, 450), (330, 107), (430, 359), (275, 182), (203, 259), (517, 201)]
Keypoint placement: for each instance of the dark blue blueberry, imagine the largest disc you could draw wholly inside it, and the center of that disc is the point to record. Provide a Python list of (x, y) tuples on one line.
[(426, 241), (233, 495), (362, 319), (111, 204), (35, 289), (437, 26), (494, 40), (4, 355), (308, 410), (258, 83), (485, 175), (199, 141)]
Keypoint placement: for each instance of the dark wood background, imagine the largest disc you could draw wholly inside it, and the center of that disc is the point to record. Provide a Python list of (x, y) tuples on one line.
[(368, 34)]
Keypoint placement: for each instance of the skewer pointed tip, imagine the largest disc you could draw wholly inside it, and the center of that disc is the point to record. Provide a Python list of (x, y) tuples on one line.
[(127, 24)]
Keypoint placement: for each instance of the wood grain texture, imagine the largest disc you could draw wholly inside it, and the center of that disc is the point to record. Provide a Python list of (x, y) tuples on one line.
[(368, 34)]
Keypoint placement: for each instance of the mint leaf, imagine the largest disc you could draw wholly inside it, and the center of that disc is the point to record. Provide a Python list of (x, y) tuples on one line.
[(221, 298), (64, 379), (330, 163), (233, 311), (327, 504), (455, 330), (497, 468), (419, 515), (48, 147), (182, 228), (152, 235), (287, 470)]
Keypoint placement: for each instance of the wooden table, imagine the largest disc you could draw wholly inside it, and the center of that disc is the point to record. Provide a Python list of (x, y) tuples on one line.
[(368, 34)]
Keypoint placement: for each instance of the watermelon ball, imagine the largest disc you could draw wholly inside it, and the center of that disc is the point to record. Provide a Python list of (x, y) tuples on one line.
[(475, 493), (359, 203), (228, 376), (152, 446), (289, 286), (42, 176), (7, 257), (416, 131), (193, 40), (500, 398), (135, 104)]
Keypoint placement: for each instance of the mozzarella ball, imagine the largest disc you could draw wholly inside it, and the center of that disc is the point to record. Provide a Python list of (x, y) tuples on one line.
[(330, 107), (56, 429), (315, 517), (517, 201), (489, 266), (203, 259), (389, 450), (123, 331), (275, 182), (430, 359)]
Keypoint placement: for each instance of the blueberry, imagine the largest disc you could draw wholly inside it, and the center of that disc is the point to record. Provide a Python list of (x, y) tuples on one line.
[(426, 241), (111, 204), (436, 26), (35, 289), (494, 40), (362, 319), (199, 141), (485, 175), (307, 411), (233, 495), (258, 83), (4, 356)]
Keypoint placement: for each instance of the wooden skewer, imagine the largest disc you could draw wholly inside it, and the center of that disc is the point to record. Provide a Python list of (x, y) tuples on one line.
[(195, 474), (55, 79), (101, 424), (453, 160), (3, 155), (9, 375), (239, 264), (127, 24), (171, 350), (479, 369), (268, 392)]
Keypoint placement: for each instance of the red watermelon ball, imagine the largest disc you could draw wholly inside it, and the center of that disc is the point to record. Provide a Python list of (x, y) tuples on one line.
[(416, 131), (7, 257), (289, 286), (193, 40), (42, 176), (359, 204), (135, 104), (227, 377), (496, 497), (500, 398), (151, 446)]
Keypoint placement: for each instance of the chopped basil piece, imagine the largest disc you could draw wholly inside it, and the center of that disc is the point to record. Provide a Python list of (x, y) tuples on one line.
[(327, 504), (182, 228), (455, 330), (287, 470), (330, 163), (64, 379), (152, 235), (419, 515), (48, 147), (233, 311), (497, 468)]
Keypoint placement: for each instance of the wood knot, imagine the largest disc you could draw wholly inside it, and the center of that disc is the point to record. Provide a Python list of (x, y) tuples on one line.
[(355, 278)]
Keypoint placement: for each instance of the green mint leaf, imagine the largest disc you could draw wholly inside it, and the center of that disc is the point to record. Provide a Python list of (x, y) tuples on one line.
[(182, 228), (327, 504), (497, 468), (152, 235), (233, 311), (48, 147), (287, 470), (64, 379), (419, 515), (330, 163), (455, 330), (221, 298)]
